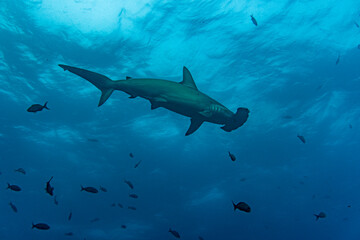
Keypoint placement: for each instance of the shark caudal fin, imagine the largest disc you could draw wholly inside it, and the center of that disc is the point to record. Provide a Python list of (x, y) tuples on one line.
[(237, 120), (103, 83)]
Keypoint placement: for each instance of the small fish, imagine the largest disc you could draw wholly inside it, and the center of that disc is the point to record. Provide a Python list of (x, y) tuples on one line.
[(69, 234), (95, 220), (92, 140), (338, 60), (242, 206), (129, 184), (37, 107), (131, 208), (174, 233), (201, 238), (56, 201), (320, 215), (131, 155), (103, 189), (13, 187), (70, 216), (137, 164), (41, 226), (232, 157), (89, 189), (123, 226), (253, 20), (349, 206), (243, 179), (113, 204), (356, 24), (49, 189), (133, 195), (120, 205), (13, 207), (20, 170), (301, 138)]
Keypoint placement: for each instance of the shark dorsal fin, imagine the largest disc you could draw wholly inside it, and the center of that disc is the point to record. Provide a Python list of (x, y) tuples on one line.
[(187, 79), (127, 77)]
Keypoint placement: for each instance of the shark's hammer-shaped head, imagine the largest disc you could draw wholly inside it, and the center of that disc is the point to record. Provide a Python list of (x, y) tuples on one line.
[(237, 120)]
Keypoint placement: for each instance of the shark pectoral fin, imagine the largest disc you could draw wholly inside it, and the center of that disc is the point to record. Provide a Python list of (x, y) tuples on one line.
[(105, 94), (195, 124), (187, 79), (156, 102), (206, 113)]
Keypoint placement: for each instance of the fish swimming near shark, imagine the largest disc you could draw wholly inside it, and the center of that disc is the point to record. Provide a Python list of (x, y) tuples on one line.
[(183, 98)]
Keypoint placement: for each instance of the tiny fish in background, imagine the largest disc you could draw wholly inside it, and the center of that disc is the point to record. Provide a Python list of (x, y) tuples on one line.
[(359, 46), (89, 189), (131, 208), (37, 107), (13, 207), (15, 188), (133, 195), (232, 157), (201, 238), (242, 206), (338, 60), (301, 138), (174, 233), (69, 234), (103, 189), (129, 184), (320, 215), (20, 170), (49, 189), (120, 205), (56, 201), (70, 216), (137, 164), (253, 20), (41, 226), (131, 155), (95, 220), (113, 204), (93, 140), (123, 226), (356, 24), (350, 126)]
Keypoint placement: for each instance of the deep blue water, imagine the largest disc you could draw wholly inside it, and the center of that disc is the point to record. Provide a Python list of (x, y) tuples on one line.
[(284, 70)]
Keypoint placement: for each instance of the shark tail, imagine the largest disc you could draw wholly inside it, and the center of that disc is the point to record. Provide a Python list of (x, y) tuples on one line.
[(103, 83), (239, 118)]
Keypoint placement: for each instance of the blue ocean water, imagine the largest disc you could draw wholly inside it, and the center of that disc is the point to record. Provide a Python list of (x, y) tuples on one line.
[(297, 71)]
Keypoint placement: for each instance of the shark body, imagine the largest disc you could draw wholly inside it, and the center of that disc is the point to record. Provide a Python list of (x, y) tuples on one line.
[(183, 98)]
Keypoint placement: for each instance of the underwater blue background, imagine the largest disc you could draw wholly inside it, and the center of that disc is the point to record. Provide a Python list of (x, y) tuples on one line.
[(284, 70)]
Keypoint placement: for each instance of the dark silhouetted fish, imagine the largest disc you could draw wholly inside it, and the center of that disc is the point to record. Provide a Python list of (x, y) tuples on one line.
[(94, 220), (320, 215), (41, 226), (349, 206), (174, 233), (131, 208), (301, 138), (129, 184), (131, 155), (13, 207), (253, 20), (13, 187), (20, 170), (232, 157), (133, 195), (123, 226), (103, 189), (137, 164), (56, 201), (49, 189), (242, 206), (337, 60), (70, 216), (113, 204), (201, 238), (120, 205), (89, 189), (356, 24), (37, 107), (243, 179), (69, 234)]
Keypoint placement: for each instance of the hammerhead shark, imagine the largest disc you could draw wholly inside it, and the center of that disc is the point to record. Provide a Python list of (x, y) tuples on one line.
[(183, 98)]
